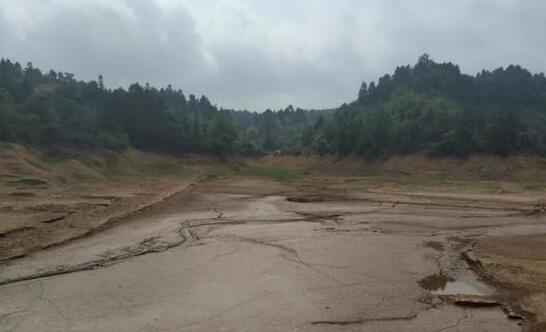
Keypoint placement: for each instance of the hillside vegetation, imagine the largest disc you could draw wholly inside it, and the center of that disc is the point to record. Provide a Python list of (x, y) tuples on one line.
[(434, 108), (427, 108)]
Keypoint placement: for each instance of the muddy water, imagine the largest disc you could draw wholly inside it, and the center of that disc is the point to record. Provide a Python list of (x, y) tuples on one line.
[(458, 287), (441, 284), (463, 281), (238, 259)]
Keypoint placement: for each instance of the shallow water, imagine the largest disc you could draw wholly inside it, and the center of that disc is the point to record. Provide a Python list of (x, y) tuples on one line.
[(459, 287), (463, 282)]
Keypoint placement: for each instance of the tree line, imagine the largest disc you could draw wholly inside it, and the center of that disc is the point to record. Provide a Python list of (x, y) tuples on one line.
[(433, 108), (55, 110), (428, 108)]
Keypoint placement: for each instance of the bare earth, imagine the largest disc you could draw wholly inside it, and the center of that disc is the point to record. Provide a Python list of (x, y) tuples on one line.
[(35, 218), (323, 254)]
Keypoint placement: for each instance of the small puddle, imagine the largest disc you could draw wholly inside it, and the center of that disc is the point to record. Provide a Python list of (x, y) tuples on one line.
[(458, 287), (464, 282)]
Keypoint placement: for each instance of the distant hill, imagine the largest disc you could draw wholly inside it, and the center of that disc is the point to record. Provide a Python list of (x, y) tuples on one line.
[(427, 108), (434, 108)]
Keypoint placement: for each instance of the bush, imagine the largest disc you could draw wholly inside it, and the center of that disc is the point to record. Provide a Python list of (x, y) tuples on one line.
[(118, 143)]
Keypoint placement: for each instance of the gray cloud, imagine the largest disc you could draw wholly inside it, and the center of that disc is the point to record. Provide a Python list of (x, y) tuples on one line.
[(257, 54)]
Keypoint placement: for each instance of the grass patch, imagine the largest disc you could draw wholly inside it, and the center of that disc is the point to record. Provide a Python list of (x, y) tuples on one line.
[(417, 182), (533, 187), (216, 171), (118, 172), (169, 171), (54, 160), (274, 173), (30, 182)]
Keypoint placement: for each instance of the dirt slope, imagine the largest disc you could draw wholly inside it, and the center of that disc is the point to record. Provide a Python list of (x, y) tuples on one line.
[(47, 200), (516, 168)]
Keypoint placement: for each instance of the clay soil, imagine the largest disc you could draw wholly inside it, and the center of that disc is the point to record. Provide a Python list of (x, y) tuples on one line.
[(34, 219), (319, 252), (517, 265)]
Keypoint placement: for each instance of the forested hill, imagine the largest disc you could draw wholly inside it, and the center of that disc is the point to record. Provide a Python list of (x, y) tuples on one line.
[(429, 107), (55, 110), (433, 108)]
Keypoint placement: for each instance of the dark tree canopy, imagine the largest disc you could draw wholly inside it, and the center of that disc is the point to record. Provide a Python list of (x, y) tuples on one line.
[(434, 108), (426, 108), (56, 110)]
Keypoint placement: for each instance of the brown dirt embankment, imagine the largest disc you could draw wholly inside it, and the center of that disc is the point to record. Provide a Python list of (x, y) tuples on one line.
[(517, 264), (48, 200), (517, 168)]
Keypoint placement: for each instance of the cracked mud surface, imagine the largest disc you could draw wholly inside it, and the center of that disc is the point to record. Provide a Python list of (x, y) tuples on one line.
[(238, 255)]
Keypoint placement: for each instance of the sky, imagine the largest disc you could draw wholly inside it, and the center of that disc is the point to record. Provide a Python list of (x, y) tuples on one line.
[(259, 54)]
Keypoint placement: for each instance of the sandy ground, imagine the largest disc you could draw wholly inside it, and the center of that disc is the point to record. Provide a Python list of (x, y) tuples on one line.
[(251, 254)]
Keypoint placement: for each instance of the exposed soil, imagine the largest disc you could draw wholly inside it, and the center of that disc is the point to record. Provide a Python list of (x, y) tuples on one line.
[(47, 201), (498, 169), (319, 253), (52, 217), (517, 265)]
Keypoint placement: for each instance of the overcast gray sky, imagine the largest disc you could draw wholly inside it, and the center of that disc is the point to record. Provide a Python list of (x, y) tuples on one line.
[(259, 54)]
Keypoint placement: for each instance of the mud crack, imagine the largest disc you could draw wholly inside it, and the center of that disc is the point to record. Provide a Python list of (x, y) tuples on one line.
[(364, 320), (146, 246), (289, 254)]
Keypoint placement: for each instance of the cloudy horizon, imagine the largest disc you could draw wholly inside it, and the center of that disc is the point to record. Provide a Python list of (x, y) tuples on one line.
[(260, 54)]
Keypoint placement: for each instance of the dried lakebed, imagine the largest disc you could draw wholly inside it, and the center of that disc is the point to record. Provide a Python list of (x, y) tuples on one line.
[(238, 255)]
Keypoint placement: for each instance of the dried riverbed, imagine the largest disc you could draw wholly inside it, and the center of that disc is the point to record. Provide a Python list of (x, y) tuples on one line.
[(252, 254)]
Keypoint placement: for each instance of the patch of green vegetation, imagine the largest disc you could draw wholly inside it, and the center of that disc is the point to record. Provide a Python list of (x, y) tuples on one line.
[(116, 172), (219, 170), (534, 187), (274, 173), (413, 182), (31, 182), (211, 174), (168, 170), (54, 160)]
